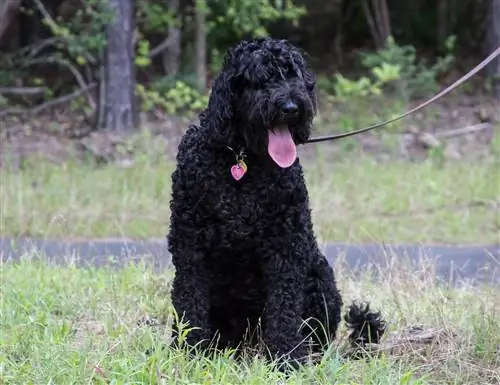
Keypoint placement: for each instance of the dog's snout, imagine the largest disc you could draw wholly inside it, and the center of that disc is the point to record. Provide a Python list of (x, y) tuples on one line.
[(290, 108)]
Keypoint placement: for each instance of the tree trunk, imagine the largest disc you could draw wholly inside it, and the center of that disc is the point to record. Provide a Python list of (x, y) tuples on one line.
[(201, 44), (385, 23), (120, 104), (378, 21), (8, 10), (171, 57), (442, 21), (493, 43)]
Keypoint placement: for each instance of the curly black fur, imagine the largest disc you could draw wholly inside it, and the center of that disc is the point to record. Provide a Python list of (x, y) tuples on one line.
[(367, 327), (244, 251)]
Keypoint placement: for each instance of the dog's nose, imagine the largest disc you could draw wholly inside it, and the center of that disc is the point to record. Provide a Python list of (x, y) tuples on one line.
[(290, 108)]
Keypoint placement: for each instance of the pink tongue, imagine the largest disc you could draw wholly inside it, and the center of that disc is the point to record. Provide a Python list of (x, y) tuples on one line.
[(281, 147)]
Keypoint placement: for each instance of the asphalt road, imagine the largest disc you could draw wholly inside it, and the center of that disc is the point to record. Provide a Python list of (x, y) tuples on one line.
[(451, 264)]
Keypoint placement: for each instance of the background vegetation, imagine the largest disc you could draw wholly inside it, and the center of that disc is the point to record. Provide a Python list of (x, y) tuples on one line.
[(105, 61)]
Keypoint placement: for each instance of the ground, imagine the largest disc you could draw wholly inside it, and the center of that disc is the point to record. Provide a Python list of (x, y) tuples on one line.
[(66, 325)]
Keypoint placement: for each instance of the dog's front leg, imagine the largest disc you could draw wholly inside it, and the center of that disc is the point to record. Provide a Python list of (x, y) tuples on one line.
[(284, 280), (190, 298)]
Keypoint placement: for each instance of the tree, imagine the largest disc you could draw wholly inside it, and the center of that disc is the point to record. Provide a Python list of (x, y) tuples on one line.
[(170, 48), (8, 10), (201, 44), (493, 43), (378, 20), (172, 55), (119, 105)]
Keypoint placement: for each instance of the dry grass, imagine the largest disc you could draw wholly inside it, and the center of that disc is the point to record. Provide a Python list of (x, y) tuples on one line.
[(65, 325), (353, 200)]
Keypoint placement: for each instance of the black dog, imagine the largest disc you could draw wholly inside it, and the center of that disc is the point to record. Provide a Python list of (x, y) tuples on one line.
[(241, 235)]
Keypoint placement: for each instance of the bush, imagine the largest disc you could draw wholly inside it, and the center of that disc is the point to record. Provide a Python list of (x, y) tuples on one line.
[(179, 99), (394, 69), (417, 77), (341, 89), (354, 99)]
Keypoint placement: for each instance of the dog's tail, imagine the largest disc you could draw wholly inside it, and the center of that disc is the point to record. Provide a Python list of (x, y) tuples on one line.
[(366, 326)]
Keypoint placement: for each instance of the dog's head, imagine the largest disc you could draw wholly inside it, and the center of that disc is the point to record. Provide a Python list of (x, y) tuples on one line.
[(263, 99)]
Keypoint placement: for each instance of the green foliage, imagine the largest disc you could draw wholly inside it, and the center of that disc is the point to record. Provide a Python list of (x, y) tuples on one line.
[(79, 40), (163, 84), (232, 20), (354, 99), (417, 77), (342, 89), (85, 32), (141, 56), (395, 68), (154, 17), (216, 58), (242, 17), (181, 99), (176, 95)]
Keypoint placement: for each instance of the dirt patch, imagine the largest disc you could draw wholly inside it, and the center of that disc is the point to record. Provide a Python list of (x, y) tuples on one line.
[(23, 144)]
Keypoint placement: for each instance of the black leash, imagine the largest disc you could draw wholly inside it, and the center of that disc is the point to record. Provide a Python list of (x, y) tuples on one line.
[(447, 90)]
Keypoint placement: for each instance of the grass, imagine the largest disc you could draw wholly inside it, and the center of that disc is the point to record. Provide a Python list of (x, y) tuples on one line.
[(353, 200), (68, 325)]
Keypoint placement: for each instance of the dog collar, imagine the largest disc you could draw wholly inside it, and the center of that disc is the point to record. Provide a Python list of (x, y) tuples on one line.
[(239, 169)]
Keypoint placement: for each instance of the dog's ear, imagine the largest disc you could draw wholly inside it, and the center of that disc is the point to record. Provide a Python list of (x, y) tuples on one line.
[(220, 107)]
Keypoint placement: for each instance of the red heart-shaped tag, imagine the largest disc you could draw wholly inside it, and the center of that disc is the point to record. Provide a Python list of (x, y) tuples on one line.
[(237, 172)]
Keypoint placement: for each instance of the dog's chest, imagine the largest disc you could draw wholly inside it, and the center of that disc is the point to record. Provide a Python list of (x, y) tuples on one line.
[(250, 202), (247, 207)]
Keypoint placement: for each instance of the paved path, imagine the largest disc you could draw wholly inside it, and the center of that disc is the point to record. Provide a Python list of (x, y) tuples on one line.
[(451, 263)]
